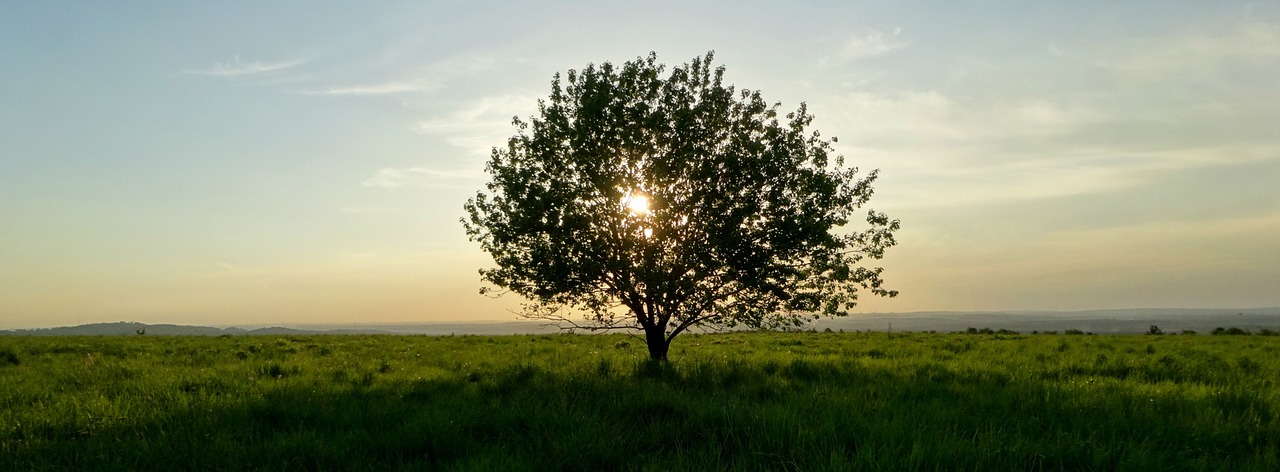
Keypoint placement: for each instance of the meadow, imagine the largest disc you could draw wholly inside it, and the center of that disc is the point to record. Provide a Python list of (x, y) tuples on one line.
[(741, 401)]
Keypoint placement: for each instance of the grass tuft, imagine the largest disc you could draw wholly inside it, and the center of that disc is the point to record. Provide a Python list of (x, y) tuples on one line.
[(8, 357)]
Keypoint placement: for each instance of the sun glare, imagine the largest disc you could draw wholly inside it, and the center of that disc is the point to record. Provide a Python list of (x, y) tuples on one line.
[(638, 204)]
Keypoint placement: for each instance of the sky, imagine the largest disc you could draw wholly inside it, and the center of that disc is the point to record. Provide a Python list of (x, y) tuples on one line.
[(247, 163)]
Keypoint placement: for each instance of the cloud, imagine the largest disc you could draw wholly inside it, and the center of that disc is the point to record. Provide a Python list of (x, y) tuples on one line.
[(431, 78), (1158, 58), (365, 210), (376, 89), (872, 43), (391, 178), (916, 117), (945, 151), (237, 68), (1046, 177), (481, 124)]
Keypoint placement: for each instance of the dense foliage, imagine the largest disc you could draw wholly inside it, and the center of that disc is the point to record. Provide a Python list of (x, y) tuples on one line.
[(659, 202), (748, 401)]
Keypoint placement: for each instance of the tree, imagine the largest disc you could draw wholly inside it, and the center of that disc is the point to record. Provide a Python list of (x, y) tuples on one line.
[(660, 202)]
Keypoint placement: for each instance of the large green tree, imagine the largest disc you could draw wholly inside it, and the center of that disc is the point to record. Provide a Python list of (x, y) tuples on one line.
[(654, 201)]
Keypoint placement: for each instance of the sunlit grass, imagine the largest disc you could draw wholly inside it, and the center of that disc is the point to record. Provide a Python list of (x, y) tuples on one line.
[(762, 401)]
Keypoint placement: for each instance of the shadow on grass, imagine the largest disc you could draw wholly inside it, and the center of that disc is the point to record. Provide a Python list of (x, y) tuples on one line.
[(703, 416)]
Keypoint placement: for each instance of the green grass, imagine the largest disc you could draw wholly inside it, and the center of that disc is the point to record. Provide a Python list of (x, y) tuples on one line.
[(748, 401)]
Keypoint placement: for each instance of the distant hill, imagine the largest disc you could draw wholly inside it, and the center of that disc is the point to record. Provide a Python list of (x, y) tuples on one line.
[(1129, 321), (132, 329), (124, 328)]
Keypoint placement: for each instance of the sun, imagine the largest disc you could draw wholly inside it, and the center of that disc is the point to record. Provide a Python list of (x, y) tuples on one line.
[(638, 204)]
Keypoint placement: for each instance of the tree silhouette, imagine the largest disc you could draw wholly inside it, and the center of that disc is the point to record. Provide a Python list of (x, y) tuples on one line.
[(659, 202)]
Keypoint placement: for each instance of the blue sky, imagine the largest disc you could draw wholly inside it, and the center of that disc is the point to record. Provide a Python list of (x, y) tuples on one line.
[(291, 162)]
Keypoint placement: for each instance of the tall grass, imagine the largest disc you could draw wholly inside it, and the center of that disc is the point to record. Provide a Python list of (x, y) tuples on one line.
[(750, 401)]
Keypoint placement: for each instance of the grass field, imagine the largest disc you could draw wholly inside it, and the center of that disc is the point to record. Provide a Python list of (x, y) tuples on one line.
[(747, 401)]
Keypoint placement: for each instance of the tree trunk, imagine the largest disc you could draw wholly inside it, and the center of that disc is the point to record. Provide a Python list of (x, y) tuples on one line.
[(658, 343)]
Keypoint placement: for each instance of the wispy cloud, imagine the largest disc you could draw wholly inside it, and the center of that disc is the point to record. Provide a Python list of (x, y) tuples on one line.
[(951, 187), (874, 43), (390, 178), (869, 44), (238, 68), (386, 88), (360, 210), (481, 124), (953, 151), (912, 117), (1157, 58), (431, 78)]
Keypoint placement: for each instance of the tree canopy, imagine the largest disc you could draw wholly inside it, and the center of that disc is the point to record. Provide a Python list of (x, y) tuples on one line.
[(641, 199)]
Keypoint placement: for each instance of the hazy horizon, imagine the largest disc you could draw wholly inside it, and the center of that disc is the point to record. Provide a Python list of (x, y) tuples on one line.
[(1120, 321), (237, 163), (1271, 312)]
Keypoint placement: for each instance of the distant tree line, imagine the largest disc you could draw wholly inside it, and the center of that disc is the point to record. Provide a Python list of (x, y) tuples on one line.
[(1153, 330)]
